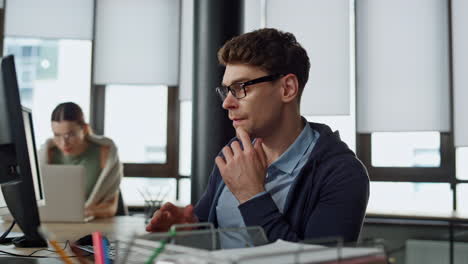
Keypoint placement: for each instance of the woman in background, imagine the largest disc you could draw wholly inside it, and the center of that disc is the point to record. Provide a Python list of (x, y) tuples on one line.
[(75, 144)]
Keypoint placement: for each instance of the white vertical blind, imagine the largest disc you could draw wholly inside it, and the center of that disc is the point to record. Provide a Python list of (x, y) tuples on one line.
[(402, 65), (60, 19), (186, 52), (460, 69), (322, 28), (254, 15), (137, 42)]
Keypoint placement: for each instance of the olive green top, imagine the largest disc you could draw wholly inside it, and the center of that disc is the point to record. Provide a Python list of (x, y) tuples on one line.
[(90, 159)]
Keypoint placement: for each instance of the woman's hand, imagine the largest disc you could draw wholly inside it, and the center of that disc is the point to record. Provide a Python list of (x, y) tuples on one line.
[(103, 210)]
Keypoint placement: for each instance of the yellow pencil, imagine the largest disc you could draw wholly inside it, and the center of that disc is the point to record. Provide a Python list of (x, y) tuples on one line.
[(60, 251), (49, 236)]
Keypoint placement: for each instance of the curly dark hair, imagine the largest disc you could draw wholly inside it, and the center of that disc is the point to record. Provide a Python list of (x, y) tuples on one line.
[(270, 49)]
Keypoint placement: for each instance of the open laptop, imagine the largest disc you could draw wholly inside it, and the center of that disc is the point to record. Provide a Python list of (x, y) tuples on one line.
[(65, 193)]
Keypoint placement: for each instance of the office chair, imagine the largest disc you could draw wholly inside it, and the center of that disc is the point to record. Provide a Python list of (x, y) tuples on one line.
[(121, 207)]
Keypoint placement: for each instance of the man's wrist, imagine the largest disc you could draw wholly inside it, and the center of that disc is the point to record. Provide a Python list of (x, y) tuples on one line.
[(252, 197)]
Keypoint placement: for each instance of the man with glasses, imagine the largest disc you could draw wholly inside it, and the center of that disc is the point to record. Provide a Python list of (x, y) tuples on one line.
[(297, 180)]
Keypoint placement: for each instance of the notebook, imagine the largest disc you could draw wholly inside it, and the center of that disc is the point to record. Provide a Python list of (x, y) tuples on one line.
[(65, 193)]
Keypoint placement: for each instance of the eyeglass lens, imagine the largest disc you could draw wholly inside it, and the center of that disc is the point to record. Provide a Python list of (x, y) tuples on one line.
[(236, 90)]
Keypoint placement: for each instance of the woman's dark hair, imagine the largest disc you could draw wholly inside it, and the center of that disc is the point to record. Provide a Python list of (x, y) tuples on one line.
[(68, 112)]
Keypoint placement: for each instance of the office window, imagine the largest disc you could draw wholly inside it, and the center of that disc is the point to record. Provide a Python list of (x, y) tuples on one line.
[(143, 120), (51, 72), (185, 152), (410, 198), (185, 191), (135, 189), (462, 200), (406, 149), (411, 172), (345, 125), (28, 51), (185, 138), (462, 175), (462, 164), (136, 119)]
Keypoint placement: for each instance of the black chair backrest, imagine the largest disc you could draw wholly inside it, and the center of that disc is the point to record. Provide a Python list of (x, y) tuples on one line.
[(121, 207)]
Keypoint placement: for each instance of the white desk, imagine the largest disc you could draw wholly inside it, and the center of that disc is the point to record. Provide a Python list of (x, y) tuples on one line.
[(124, 227), (116, 228), (119, 227)]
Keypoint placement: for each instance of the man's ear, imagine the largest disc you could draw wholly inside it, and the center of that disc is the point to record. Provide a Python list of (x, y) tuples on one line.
[(290, 88)]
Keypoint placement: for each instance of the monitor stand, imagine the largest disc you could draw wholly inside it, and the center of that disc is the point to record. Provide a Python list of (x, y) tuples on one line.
[(20, 240), (26, 242)]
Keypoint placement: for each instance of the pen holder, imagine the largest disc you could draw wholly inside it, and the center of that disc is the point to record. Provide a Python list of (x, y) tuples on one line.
[(151, 206)]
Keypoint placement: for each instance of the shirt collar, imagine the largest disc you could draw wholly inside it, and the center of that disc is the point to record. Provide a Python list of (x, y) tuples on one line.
[(291, 157)]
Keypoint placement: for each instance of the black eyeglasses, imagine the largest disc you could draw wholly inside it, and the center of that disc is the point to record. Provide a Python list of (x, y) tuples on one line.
[(238, 89)]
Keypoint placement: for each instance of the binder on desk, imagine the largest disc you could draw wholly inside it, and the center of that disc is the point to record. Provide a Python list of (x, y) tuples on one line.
[(189, 241), (289, 252), (202, 246), (205, 236), (278, 252)]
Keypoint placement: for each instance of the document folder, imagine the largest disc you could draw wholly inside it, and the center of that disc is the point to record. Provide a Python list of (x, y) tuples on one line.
[(193, 244)]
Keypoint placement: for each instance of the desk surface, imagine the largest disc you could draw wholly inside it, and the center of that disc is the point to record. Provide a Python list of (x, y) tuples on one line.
[(116, 228), (119, 227)]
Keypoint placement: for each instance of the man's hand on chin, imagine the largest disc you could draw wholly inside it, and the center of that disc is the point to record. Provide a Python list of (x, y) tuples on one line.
[(243, 170)]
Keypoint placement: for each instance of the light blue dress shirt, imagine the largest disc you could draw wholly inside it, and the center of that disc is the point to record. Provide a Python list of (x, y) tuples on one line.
[(280, 176)]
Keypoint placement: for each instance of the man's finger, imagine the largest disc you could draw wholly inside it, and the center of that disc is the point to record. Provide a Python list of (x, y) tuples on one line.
[(155, 220), (162, 222), (236, 148), (161, 218), (189, 215), (149, 228), (156, 217), (156, 213), (167, 206), (227, 152), (188, 210), (260, 152), (245, 138), (220, 163)]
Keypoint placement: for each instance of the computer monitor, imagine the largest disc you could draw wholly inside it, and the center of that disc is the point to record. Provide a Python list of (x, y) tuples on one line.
[(19, 172), (33, 160)]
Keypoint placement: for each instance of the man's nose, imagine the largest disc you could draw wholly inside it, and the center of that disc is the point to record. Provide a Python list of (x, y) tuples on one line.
[(230, 101)]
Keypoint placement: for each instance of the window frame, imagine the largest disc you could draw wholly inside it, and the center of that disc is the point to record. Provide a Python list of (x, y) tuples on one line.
[(444, 173), (169, 169), (2, 28)]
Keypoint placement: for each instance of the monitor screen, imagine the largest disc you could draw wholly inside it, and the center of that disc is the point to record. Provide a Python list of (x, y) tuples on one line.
[(19, 174), (33, 158)]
